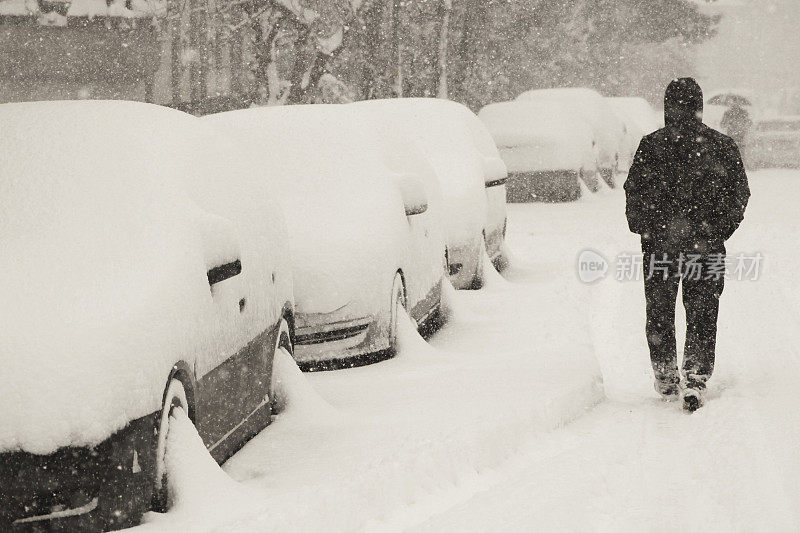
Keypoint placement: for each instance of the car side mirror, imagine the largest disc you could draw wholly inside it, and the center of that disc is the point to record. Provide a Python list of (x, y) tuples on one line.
[(221, 248), (495, 172), (412, 190), (224, 271)]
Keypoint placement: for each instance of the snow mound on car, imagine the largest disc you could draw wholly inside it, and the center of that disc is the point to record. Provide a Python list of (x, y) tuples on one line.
[(104, 267), (591, 107), (442, 133), (332, 178), (533, 137)]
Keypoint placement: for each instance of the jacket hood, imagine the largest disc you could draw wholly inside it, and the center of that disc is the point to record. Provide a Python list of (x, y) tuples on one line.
[(683, 103)]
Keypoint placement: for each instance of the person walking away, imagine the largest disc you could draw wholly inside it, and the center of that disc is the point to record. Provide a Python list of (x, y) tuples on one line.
[(686, 194), (736, 123)]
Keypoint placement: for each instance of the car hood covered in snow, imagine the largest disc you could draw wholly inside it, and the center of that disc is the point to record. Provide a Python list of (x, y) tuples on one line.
[(104, 268)]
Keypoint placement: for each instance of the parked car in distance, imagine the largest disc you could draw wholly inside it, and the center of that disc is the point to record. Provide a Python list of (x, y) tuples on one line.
[(443, 133), (774, 142), (639, 118), (547, 149), (607, 129), (122, 302), (364, 225)]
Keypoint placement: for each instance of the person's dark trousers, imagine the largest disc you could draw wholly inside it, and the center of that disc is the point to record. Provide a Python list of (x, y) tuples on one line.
[(702, 277)]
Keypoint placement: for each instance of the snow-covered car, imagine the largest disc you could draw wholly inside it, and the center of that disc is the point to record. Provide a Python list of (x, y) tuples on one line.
[(122, 301), (548, 150), (364, 224), (607, 128), (444, 134), (774, 142), (639, 118)]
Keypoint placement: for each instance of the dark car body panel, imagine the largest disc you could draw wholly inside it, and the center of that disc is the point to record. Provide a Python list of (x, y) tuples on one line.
[(230, 393), (74, 476), (228, 407)]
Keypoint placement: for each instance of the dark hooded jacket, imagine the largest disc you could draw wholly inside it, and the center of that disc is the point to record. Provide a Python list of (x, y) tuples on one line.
[(687, 188)]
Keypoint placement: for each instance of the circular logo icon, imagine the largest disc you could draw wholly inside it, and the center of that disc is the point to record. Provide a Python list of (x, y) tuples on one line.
[(591, 266)]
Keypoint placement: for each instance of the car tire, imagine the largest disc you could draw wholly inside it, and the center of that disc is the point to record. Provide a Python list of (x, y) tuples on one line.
[(398, 302), (174, 398), (612, 182), (477, 279), (592, 181), (283, 345)]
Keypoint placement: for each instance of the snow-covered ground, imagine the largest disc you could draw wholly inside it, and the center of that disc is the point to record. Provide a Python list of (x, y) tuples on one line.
[(501, 422)]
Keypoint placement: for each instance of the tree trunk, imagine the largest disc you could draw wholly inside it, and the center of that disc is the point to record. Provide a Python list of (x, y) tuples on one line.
[(236, 55), (396, 51), (468, 46), (174, 16), (371, 46), (297, 90), (264, 44), (195, 45), (447, 9)]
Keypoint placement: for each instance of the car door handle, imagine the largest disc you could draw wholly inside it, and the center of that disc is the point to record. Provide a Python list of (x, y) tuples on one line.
[(223, 272)]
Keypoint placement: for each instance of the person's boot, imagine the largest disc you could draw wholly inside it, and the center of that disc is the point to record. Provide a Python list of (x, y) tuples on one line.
[(692, 399), (670, 392)]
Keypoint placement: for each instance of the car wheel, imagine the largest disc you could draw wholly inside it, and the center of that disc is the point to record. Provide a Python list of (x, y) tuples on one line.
[(398, 303), (175, 398), (612, 182), (591, 180), (283, 347), (477, 279)]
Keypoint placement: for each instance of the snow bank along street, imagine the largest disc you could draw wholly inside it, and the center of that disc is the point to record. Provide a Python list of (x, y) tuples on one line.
[(502, 422)]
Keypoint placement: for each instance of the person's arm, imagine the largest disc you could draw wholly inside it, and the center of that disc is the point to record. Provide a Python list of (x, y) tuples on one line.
[(636, 208), (734, 195)]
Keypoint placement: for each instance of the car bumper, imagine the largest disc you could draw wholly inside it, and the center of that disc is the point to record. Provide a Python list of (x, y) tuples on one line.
[(495, 238), (98, 488), (339, 339), (463, 262)]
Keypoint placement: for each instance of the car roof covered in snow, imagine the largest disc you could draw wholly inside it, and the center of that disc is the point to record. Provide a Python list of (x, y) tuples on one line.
[(521, 122), (635, 111)]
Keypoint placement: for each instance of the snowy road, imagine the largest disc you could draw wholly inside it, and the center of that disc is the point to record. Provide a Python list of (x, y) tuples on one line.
[(502, 424)]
